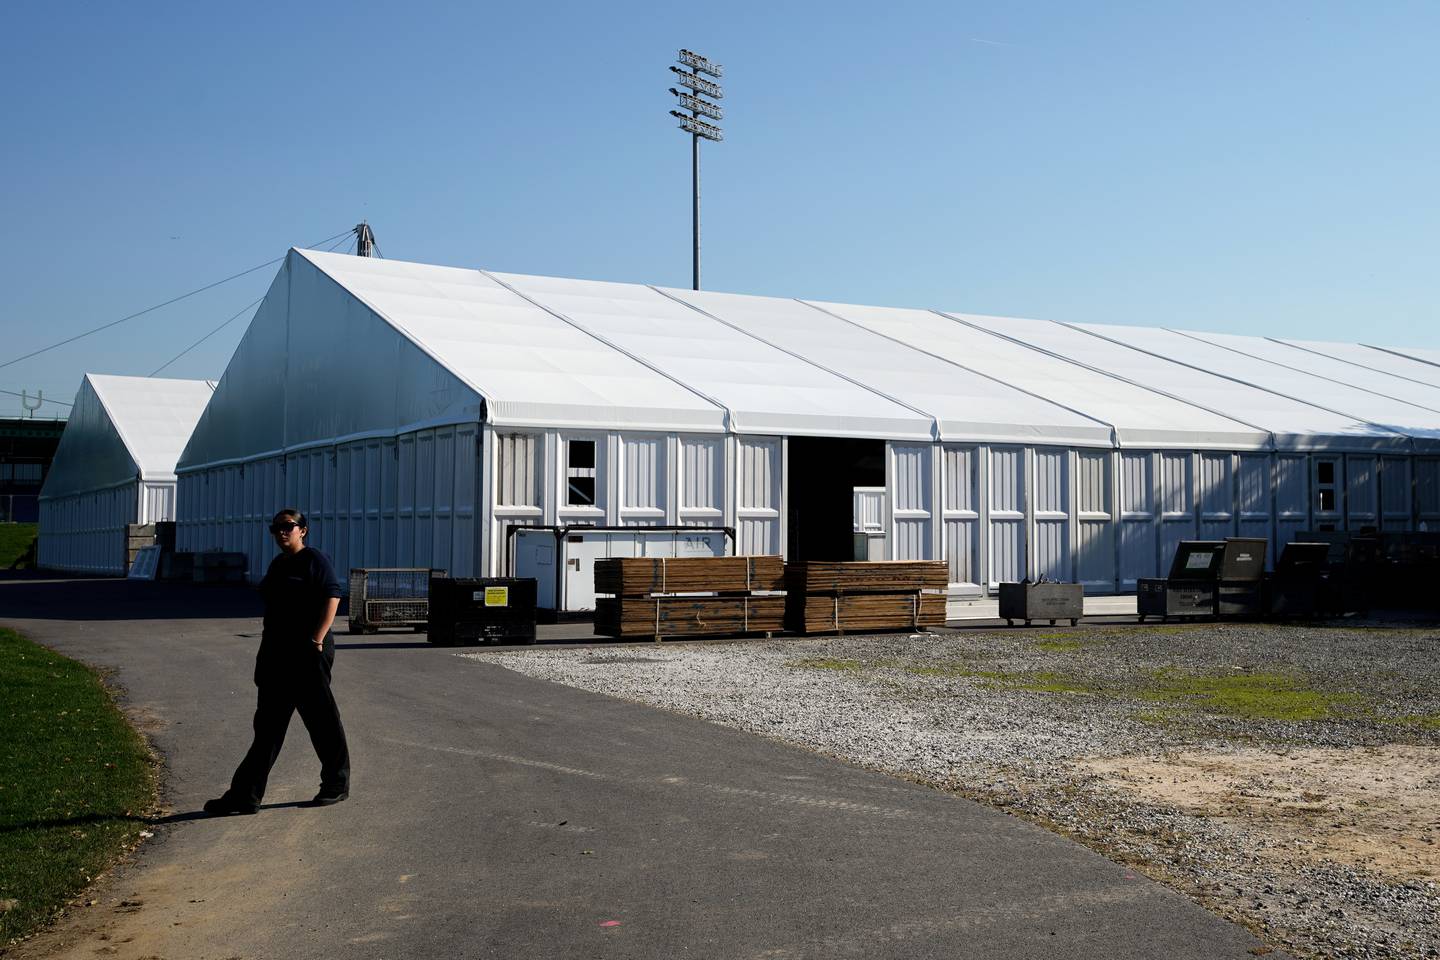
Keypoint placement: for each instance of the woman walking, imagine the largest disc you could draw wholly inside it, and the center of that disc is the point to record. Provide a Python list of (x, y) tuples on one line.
[(292, 671)]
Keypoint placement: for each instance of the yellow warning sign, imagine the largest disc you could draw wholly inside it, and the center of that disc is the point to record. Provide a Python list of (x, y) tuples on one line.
[(497, 596)]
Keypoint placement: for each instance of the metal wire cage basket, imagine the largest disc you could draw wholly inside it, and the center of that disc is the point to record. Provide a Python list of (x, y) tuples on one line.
[(390, 597)]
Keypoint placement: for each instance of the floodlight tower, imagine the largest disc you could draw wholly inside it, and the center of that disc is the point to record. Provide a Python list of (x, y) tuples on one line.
[(697, 128)]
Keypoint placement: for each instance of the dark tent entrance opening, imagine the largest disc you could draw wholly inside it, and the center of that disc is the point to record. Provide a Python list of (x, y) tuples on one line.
[(820, 494)]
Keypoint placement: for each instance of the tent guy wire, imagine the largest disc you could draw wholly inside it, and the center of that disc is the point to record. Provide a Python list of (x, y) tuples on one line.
[(141, 313), (241, 312)]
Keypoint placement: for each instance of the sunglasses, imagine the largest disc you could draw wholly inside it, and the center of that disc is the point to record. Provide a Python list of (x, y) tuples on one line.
[(283, 527)]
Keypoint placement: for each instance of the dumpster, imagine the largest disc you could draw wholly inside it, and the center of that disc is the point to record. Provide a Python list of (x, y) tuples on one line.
[(390, 597), (1190, 589), (1294, 588), (1240, 591), (1351, 570), (482, 610), (1042, 601)]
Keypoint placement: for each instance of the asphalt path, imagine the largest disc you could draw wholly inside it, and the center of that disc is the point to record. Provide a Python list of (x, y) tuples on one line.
[(494, 815)]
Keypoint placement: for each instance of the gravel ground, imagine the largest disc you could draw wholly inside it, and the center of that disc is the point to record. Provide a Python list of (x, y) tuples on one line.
[(1079, 729)]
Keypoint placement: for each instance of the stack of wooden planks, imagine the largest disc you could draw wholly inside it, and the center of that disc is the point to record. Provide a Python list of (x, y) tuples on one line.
[(832, 597), (671, 616), (659, 597), (644, 576)]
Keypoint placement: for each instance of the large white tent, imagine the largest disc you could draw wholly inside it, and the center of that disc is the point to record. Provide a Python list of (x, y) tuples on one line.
[(115, 466), (418, 412)]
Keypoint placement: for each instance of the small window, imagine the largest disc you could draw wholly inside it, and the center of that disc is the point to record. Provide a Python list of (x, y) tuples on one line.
[(581, 492), (1325, 471), (1327, 501), (582, 454), (580, 479)]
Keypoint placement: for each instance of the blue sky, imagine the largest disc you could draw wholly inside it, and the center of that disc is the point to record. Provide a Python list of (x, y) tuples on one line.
[(1249, 167)]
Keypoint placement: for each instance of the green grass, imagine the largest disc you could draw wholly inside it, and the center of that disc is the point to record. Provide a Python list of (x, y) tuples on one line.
[(75, 782), (1421, 721), (1251, 696), (15, 540)]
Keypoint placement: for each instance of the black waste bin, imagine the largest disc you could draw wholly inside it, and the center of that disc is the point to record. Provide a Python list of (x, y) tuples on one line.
[(1190, 589), (1242, 570), (1296, 584), (482, 610)]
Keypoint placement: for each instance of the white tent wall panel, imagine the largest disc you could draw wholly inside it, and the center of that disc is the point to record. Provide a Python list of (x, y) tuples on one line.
[(701, 482), (515, 491), (1177, 503), (1216, 496), (759, 495), (910, 499), (867, 510), (1254, 506), (1095, 544), (1362, 508), (360, 499), (1005, 510), (643, 480), (961, 518), (1139, 518), (1050, 516), (157, 501), (1396, 506), (85, 532)]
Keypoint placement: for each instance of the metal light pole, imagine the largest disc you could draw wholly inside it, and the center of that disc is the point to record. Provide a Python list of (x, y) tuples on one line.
[(697, 128)]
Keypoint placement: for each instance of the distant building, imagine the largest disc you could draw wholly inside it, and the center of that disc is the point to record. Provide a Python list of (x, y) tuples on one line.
[(26, 449), (115, 466)]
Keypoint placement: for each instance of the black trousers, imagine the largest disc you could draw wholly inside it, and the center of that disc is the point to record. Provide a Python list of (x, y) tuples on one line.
[(297, 679)]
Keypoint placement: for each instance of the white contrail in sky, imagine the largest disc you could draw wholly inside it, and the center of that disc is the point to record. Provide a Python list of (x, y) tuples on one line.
[(991, 43)]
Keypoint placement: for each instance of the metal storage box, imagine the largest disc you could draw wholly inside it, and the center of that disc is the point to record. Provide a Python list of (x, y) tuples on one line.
[(1242, 573), (389, 597), (1190, 589), (482, 610), (1042, 601)]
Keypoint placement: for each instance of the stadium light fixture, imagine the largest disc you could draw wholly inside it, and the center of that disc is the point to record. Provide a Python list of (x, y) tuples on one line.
[(698, 129)]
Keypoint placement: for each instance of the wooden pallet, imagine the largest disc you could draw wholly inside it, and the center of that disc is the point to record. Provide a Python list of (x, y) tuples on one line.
[(864, 612), (687, 616), (884, 576), (647, 576)]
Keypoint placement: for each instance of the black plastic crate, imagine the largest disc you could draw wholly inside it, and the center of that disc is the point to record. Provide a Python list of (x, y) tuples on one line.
[(482, 610)]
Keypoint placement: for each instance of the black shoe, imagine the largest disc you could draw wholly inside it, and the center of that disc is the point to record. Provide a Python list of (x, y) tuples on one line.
[(226, 805), (328, 797)]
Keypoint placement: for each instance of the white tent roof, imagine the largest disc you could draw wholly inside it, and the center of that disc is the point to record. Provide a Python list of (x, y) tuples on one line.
[(1373, 358), (1138, 417), (345, 347), (123, 429), (1293, 424), (765, 390), (532, 367), (1369, 379), (1422, 354), (1343, 399), (963, 404)]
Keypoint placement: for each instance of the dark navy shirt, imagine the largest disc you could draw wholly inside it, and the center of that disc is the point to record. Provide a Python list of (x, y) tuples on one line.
[(296, 589)]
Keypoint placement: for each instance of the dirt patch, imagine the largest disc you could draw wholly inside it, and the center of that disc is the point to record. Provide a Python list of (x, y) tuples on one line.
[(1377, 807)]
